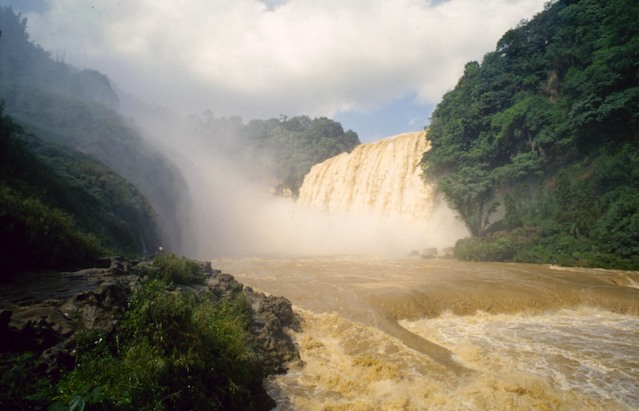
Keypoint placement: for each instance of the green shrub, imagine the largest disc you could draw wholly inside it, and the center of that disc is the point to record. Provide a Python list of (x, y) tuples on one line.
[(541, 246), (21, 386), (173, 269), (481, 249), (173, 350), (37, 236)]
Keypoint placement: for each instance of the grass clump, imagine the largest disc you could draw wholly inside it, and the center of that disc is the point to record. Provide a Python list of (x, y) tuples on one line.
[(172, 351), (173, 269)]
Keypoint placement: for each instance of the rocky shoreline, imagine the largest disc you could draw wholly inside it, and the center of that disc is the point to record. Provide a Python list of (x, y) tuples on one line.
[(41, 312)]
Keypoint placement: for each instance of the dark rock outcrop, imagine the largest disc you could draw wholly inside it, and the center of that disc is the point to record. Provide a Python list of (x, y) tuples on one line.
[(41, 312), (272, 317)]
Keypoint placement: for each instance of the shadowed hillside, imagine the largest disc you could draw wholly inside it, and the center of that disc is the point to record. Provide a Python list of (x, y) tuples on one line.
[(61, 209), (76, 108)]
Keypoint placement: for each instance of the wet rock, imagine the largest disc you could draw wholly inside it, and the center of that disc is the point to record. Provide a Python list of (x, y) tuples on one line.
[(48, 308), (205, 267), (5, 318), (223, 285), (272, 317), (103, 262), (115, 265), (36, 336), (99, 308), (6, 333), (118, 266)]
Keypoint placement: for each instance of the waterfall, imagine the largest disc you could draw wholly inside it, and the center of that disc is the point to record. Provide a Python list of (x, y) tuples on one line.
[(372, 201), (383, 179)]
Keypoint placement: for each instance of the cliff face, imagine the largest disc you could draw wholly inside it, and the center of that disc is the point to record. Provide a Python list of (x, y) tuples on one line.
[(381, 178)]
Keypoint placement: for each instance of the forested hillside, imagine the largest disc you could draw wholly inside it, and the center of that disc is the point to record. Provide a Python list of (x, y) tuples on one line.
[(282, 149), (536, 147), (61, 209), (77, 108)]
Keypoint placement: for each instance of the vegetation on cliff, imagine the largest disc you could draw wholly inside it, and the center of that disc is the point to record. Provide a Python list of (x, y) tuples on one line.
[(536, 147), (196, 346), (61, 209), (78, 109), (284, 148)]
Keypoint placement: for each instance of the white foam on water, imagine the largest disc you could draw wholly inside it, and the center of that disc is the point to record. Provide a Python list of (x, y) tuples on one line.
[(587, 350)]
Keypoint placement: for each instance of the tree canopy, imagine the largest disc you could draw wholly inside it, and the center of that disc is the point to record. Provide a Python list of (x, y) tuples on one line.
[(534, 128), (284, 149)]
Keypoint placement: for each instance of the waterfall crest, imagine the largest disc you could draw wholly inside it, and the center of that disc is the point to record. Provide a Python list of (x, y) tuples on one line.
[(383, 179)]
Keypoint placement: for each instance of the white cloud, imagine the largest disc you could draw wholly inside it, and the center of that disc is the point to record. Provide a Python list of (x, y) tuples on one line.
[(263, 58)]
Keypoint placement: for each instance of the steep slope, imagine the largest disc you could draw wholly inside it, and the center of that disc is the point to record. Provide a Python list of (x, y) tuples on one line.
[(76, 108), (61, 209), (542, 138)]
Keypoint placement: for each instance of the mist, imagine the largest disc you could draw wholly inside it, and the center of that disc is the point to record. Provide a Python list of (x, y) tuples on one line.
[(246, 59), (231, 212)]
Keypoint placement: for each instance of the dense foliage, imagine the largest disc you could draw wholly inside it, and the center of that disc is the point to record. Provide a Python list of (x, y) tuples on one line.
[(171, 350), (61, 209), (283, 149), (542, 137), (172, 269), (174, 351), (76, 108)]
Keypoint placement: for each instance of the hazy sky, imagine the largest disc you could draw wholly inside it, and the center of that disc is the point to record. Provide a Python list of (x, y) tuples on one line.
[(378, 67)]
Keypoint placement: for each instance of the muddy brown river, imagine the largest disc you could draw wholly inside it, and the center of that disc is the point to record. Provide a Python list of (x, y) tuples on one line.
[(417, 334)]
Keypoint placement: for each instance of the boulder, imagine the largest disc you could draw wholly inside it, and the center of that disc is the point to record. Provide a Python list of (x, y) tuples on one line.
[(99, 308), (272, 318), (224, 285)]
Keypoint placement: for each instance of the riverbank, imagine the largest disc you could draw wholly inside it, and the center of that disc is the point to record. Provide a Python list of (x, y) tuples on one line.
[(125, 337)]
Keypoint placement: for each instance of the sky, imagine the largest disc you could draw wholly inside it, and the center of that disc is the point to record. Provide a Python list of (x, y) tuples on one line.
[(378, 67)]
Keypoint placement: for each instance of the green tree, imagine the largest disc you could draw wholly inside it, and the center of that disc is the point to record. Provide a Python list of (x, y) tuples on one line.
[(470, 192), (552, 115), (284, 149)]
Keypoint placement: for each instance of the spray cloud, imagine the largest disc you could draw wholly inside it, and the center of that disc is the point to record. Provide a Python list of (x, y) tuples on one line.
[(375, 204)]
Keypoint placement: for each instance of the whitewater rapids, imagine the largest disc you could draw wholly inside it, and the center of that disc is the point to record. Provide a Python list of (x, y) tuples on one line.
[(416, 334)]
